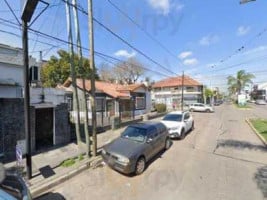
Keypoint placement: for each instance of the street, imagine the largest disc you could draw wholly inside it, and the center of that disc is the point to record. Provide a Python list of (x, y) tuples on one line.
[(220, 159)]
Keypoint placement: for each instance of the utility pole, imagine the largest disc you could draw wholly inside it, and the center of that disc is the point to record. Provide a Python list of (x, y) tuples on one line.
[(92, 65), (27, 99), (81, 68), (76, 106), (28, 9), (183, 91)]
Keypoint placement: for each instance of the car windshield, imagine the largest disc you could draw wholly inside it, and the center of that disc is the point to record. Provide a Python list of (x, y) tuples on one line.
[(134, 133), (173, 117)]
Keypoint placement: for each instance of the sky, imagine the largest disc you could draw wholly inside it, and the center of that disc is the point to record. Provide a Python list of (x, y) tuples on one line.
[(208, 40)]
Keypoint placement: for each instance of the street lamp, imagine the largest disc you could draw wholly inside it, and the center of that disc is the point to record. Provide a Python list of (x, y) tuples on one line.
[(27, 12)]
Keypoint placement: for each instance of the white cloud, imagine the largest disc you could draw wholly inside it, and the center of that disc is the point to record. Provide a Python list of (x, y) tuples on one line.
[(124, 53), (242, 30), (257, 50), (185, 54), (208, 40), (191, 61), (164, 6)]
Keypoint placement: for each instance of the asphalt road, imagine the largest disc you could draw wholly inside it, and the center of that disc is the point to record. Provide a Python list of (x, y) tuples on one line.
[(221, 159)]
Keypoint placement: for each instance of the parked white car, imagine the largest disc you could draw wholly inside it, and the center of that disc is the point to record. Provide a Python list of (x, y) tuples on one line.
[(200, 107), (178, 123)]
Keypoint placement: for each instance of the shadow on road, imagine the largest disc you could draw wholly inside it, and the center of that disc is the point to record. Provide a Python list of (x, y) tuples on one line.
[(240, 145), (51, 196), (261, 179)]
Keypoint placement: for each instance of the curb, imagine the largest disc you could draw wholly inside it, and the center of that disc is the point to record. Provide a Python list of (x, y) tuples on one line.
[(257, 133), (42, 188)]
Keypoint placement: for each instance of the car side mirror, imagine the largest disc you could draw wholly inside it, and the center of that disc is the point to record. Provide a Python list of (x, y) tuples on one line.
[(149, 140)]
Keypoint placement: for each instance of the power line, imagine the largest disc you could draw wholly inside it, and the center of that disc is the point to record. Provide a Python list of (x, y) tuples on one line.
[(104, 56), (66, 42), (242, 47), (120, 38), (143, 30)]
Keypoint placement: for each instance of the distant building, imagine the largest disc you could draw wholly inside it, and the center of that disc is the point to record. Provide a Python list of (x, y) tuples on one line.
[(169, 91), (11, 67), (260, 91)]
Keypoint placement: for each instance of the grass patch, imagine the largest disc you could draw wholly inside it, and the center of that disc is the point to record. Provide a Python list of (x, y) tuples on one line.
[(68, 163), (261, 126), (80, 157)]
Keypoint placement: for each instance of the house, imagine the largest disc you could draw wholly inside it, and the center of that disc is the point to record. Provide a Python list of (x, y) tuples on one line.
[(260, 91), (49, 114), (124, 101), (169, 91), (11, 67)]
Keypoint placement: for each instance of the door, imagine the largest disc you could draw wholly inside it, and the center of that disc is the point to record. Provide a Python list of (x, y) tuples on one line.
[(154, 144), (44, 128), (188, 121)]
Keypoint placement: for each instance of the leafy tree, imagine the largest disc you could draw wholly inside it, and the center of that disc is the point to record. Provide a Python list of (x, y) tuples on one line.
[(57, 69), (238, 83)]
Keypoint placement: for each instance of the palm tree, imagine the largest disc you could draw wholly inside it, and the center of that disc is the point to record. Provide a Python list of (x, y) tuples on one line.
[(238, 83)]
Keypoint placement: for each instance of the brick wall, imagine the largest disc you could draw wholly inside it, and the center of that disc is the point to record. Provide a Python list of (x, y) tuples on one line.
[(12, 125)]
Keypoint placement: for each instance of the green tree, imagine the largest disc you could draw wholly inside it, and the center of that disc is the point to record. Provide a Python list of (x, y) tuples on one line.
[(238, 83), (208, 93), (57, 69)]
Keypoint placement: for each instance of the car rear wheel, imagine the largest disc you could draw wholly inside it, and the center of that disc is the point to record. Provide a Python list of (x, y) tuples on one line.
[(167, 143), (191, 109), (208, 110), (182, 134), (140, 166)]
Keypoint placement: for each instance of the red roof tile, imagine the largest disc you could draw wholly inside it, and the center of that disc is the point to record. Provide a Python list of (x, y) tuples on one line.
[(176, 81), (114, 90)]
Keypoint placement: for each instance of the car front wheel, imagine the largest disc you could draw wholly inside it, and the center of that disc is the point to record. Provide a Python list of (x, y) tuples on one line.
[(140, 166), (167, 143)]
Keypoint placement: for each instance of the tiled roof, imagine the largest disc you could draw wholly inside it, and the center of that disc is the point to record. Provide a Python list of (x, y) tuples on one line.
[(112, 89), (176, 81)]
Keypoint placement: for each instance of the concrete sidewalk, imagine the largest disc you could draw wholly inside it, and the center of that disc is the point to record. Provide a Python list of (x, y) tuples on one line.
[(46, 168)]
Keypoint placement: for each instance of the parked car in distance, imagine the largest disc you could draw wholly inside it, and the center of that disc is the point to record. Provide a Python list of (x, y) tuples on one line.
[(178, 123), (218, 102), (200, 107), (260, 102), (137, 144)]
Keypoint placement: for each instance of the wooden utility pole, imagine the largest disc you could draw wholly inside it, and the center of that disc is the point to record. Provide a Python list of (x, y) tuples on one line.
[(76, 107), (92, 65), (81, 68)]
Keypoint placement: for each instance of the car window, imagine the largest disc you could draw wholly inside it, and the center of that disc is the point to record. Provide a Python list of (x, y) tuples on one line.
[(187, 116), (173, 117), (135, 133), (161, 128)]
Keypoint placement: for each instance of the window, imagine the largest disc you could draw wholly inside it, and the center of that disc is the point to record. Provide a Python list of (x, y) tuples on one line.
[(34, 73), (140, 103), (186, 116), (100, 104)]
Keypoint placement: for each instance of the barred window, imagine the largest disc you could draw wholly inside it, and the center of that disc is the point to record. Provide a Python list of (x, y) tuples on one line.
[(140, 103)]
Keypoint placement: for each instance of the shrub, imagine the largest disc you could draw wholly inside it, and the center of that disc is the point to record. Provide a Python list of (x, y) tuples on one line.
[(160, 107)]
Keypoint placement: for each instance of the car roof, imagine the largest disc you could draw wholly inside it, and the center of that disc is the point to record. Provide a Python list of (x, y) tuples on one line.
[(145, 125)]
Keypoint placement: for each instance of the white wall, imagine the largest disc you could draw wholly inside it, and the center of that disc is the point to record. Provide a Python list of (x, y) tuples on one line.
[(10, 92), (52, 95)]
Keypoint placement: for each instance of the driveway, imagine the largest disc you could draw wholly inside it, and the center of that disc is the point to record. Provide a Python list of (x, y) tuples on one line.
[(221, 159)]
